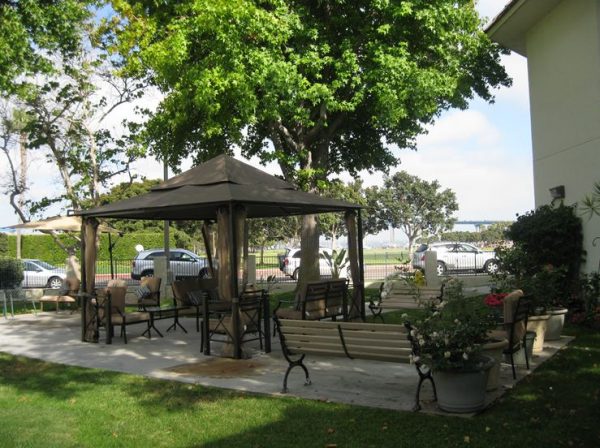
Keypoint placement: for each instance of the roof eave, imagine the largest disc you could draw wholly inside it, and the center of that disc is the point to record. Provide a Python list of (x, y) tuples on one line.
[(510, 27)]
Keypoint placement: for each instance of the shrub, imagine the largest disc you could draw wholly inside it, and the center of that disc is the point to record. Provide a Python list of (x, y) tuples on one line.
[(11, 273), (547, 253)]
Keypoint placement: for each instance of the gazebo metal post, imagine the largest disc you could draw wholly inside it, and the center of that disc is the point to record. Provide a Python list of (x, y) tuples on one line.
[(233, 258), (361, 266), (110, 255)]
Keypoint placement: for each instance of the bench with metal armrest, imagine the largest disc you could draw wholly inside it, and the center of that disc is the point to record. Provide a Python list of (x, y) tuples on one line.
[(404, 297), (354, 340)]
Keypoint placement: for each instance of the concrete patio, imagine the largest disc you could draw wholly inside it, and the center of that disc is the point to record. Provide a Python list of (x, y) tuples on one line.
[(56, 337)]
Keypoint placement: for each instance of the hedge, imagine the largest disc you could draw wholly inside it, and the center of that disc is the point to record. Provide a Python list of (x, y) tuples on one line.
[(11, 273), (44, 248)]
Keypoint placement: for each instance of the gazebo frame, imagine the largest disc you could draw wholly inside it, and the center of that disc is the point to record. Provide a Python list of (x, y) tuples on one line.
[(224, 186)]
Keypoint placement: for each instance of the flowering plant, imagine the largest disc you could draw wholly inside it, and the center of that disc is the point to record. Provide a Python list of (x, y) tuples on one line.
[(495, 299), (451, 336)]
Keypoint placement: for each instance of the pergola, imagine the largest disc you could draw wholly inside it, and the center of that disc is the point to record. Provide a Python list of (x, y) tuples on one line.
[(227, 191)]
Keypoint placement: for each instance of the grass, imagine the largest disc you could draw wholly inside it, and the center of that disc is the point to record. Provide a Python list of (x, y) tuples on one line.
[(43, 404)]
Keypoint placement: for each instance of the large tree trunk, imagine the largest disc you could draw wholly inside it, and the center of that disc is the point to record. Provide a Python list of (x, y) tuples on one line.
[(309, 245)]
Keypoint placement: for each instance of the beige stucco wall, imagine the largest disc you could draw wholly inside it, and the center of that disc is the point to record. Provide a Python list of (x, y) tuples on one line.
[(563, 56)]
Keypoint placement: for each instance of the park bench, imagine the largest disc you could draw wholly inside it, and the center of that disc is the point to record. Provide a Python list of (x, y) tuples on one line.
[(404, 297), (324, 299), (354, 340)]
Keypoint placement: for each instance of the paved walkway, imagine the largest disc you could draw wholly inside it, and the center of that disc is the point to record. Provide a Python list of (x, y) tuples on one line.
[(56, 338)]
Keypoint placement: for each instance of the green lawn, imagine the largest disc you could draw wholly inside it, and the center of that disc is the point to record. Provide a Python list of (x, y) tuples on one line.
[(51, 405)]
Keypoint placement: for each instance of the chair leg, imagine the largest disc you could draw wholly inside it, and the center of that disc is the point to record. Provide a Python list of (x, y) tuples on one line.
[(124, 331)]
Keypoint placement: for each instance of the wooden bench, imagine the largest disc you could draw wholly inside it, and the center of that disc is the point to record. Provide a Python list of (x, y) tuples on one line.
[(324, 299), (354, 340), (402, 297)]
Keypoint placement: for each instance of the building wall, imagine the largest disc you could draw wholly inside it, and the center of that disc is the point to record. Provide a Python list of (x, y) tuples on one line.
[(563, 56)]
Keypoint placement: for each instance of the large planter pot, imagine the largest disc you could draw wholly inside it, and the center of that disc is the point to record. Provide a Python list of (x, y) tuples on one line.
[(555, 324), (538, 324), (494, 350), (462, 391)]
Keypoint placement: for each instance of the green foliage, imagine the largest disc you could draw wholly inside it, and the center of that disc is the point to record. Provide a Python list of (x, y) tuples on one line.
[(325, 82), (44, 248), (11, 273), (333, 225), (337, 261), (548, 250), (452, 335), (32, 30), (416, 206), (3, 244)]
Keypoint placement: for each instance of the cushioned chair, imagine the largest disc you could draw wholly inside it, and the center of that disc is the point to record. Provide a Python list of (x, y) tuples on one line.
[(66, 295), (111, 312), (516, 312), (153, 297), (188, 293)]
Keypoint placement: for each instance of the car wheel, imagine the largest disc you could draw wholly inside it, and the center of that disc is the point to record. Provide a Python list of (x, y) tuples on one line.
[(491, 267), (441, 268), (148, 274), (55, 282), (296, 273), (204, 273)]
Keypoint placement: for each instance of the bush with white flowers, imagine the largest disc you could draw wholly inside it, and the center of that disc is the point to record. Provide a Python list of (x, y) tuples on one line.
[(451, 336)]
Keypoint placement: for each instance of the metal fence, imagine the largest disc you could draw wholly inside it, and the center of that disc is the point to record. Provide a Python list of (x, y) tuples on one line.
[(377, 267)]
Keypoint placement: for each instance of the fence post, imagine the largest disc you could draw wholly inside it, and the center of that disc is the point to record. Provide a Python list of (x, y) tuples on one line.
[(431, 276)]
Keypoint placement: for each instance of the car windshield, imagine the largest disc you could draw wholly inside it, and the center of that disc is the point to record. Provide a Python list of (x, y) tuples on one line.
[(45, 265), (422, 248)]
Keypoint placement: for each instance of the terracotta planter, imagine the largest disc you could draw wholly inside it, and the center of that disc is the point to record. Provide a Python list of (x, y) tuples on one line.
[(555, 323), (494, 350), (462, 391), (538, 325)]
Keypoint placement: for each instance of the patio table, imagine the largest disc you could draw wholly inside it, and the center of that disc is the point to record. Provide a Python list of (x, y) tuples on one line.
[(157, 312)]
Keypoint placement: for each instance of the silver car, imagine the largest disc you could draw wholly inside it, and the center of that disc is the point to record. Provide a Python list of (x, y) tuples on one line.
[(183, 263), (455, 257), (39, 274), (289, 263)]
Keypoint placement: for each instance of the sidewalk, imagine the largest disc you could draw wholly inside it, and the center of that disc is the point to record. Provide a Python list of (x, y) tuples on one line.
[(56, 338)]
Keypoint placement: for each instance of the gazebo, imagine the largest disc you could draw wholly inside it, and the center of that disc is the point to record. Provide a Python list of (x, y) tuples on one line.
[(227, 191)]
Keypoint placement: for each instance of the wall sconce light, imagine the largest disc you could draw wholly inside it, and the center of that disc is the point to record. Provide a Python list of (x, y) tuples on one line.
[(558, 192)]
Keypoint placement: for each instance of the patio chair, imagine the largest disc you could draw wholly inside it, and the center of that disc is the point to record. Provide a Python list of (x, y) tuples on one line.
[(516, 326), (110, 311), (188, 294), (218, 319), (151, 296), (66, 295)]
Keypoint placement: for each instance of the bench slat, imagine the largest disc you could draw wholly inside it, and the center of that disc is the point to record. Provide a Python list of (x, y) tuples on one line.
[(333, 331), (350, 339), (399, 358), (345, 325)]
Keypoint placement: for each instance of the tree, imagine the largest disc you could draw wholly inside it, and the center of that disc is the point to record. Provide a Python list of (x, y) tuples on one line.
[(321, 86), (65, 113), (416, 206), (333, 225), (31, 31), (265, 231)]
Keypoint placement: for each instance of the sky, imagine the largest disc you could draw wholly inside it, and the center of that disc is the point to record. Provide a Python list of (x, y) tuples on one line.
[(483, 153)]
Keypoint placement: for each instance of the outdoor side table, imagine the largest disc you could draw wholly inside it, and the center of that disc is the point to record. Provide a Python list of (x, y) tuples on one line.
[(157, 313)]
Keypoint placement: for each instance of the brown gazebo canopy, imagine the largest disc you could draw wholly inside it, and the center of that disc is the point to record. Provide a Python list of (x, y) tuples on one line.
[(228, 191)]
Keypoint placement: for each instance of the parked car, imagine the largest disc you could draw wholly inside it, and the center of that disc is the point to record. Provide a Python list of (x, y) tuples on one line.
[(454, 256), (39, 274), (289, 263), (183, 263)]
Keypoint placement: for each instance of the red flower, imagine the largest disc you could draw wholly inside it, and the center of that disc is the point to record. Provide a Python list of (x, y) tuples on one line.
[(495, 299)]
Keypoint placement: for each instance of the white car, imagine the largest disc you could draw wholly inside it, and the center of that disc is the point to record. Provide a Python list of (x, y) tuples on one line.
[(454, 256), (289, 263), (39, 274)]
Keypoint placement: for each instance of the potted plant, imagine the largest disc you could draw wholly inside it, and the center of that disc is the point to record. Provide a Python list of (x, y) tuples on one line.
[(451, 338)]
